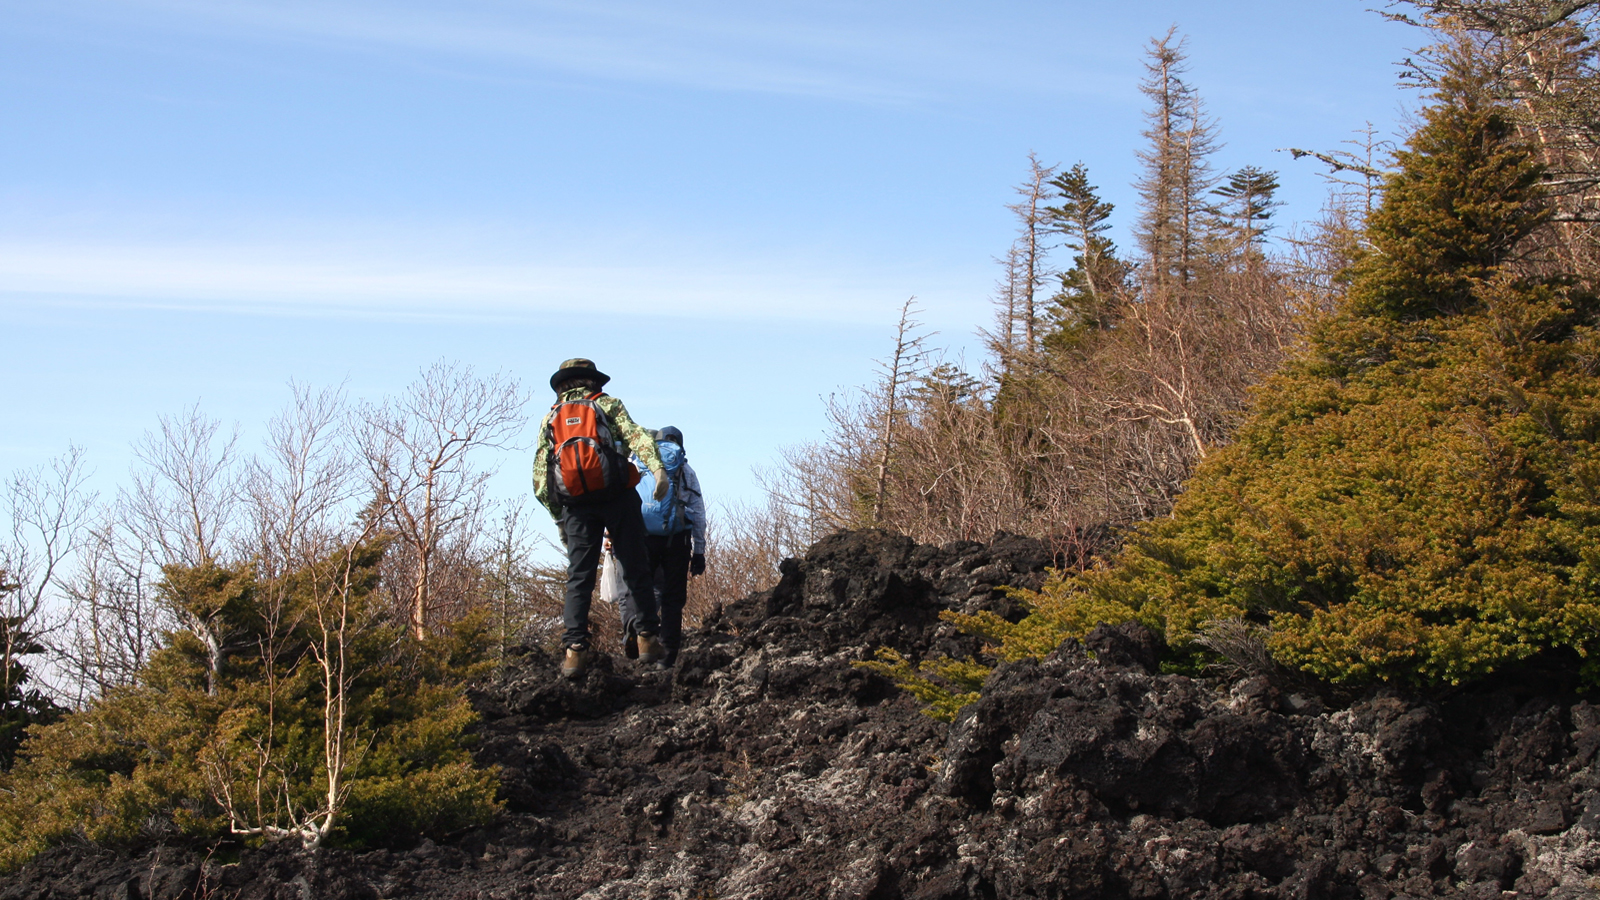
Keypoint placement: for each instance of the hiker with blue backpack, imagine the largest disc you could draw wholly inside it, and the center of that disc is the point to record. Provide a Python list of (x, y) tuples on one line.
[(675, 526), (582, 475)]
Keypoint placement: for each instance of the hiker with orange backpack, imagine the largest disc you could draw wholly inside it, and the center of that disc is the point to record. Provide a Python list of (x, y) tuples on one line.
[(582, 475)]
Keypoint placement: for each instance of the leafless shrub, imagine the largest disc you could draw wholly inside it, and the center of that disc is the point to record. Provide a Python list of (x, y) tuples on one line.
[(1072, 438), (523, 596), (428, 491), (114, 619), (45, 509), (1319, 252), (745, 545), (185, 489), (301, 487), (1242, 646)]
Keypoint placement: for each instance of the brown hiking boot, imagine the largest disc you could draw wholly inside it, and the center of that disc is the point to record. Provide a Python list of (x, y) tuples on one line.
[(650, 649), (578, 659)]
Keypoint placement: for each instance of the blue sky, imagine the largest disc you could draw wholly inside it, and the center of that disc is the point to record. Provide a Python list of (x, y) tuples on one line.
[(721, 203)]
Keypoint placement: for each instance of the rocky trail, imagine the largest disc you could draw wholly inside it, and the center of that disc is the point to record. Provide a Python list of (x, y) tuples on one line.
[(767, 766)]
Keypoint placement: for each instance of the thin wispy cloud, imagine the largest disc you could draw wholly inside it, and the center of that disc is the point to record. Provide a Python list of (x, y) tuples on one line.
[(839, 53), (318, 283)]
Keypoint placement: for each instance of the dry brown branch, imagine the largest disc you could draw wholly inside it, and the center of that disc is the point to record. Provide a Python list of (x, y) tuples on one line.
[(114, 617), (185, 488), (45, 509), (416, 449)]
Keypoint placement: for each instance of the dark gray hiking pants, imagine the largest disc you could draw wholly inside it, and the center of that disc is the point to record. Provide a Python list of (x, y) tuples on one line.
[(669, 571), (585, 526)]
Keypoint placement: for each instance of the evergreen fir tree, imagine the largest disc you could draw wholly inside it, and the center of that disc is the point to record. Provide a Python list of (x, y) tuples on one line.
[(1086, 299), (1414, 498), (1082, 219), (21, 706), (1464, 197), (1249, 199)]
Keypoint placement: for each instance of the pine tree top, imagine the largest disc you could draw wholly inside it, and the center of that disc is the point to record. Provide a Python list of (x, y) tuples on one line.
[(1466, 194)]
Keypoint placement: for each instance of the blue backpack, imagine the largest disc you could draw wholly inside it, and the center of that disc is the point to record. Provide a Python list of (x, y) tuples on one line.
[(667, 516)]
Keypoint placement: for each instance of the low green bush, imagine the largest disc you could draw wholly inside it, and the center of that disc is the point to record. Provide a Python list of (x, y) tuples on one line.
[(227, 734), (1416, 496)]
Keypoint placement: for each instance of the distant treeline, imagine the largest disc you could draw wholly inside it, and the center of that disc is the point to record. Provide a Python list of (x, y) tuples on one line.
[(1365, 452)]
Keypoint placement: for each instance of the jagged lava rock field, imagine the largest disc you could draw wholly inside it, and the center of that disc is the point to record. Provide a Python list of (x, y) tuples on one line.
[(767, 766)]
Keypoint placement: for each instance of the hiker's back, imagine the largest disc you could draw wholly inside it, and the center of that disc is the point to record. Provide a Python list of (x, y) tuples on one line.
[(665, 516), (585, 464)]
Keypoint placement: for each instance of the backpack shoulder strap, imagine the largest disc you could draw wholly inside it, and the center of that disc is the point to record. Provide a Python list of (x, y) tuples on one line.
[(600, 411)]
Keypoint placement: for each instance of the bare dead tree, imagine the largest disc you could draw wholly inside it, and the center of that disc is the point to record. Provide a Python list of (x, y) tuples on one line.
[(303, 482), (1320, 252), (1177, 173), (300, 490), (45, 510), (245, 771), (180, 510), (310, 546), (310, 543), (183, 502), (417, 450), (185, 488), (115, 620), (1028, 252), (1355, 174), (299, 494), (1009, 304), (900, 368), (340, 621)]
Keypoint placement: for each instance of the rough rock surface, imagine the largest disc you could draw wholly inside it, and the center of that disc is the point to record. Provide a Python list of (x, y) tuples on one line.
[(766, 766)]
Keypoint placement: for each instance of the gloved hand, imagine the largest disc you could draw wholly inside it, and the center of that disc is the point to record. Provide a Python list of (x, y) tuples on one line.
[(661, 485), (697, 564)]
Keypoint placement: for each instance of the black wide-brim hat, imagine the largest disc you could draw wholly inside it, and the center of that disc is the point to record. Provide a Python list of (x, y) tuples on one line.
[(578, 368)]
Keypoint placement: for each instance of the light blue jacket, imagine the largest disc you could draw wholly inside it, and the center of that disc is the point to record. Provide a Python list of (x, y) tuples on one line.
[(694, 504)]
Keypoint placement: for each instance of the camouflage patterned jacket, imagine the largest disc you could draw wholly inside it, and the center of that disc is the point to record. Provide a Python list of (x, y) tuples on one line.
[(633, 438)]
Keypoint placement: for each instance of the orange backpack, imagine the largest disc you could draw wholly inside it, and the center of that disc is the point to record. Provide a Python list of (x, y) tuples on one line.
[(585, 464)]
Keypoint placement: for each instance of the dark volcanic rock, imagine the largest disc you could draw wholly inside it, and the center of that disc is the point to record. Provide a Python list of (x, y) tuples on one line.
[(768, 766), (875, 588), (1134, 741)]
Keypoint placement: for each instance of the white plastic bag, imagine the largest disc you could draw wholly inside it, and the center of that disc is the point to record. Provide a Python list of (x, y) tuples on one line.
[(612, 590)]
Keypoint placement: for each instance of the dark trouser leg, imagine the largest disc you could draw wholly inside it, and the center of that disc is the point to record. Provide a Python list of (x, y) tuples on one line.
[(626, 526), (629, 612), (656, 545), (669, 564), (583, 528)]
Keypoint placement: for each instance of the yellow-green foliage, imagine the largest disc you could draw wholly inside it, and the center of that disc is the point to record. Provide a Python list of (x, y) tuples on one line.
[(1051, 621), (117, 772), (944, 684), (1416, 497), (170, 754)]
